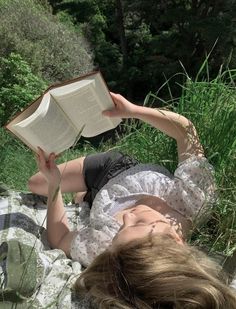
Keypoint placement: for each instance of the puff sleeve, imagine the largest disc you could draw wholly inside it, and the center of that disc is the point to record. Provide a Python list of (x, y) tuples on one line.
[(87, 244)]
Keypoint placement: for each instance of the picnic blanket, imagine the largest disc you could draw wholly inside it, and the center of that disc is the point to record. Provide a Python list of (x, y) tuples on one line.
[(32, 275)]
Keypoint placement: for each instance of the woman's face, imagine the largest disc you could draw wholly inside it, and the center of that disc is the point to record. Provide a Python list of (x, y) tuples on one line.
[(140, 222)]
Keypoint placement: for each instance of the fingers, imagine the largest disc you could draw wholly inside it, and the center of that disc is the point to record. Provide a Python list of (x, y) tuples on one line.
[(51, 160), (113, 95), (42, 155), (108, 113), (112, 112), (43, 162), (116, 97)]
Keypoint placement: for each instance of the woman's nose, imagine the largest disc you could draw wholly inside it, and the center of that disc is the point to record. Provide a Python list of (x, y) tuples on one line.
[(129, 219)]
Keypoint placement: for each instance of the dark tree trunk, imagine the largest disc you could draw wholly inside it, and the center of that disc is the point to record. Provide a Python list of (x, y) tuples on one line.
[(121, 30)]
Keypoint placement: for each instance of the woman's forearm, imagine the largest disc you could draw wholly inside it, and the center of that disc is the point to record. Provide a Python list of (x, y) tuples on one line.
[(175, 126), (57, 223), (58, 232), (170, 123)]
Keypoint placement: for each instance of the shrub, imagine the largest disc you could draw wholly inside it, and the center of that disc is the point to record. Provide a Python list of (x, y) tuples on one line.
[(51, 48), (18, 85)]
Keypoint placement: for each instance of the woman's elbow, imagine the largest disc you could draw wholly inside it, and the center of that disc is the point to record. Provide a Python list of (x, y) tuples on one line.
[(62, 244)]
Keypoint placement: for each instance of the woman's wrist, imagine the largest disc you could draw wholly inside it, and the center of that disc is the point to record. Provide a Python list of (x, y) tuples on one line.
[(135, 111), (139, 112), (53, 187), (53, 192)]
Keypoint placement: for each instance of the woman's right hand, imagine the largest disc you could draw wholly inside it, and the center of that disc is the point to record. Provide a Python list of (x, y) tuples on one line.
[(123, 108)]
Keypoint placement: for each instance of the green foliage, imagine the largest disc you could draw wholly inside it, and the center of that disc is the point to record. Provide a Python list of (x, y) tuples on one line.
[(97, 19), (18, 86), (53, 49), (183, 31), (17, 162), (141, 43)]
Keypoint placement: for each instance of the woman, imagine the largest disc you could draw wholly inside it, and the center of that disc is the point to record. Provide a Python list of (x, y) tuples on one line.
[(134, 238)]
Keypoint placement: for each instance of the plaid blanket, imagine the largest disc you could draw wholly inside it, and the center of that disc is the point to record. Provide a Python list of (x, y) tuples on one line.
[(32, 275)]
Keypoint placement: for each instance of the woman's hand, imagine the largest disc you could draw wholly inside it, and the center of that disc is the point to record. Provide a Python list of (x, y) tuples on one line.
[(123, 108), (48, 168)]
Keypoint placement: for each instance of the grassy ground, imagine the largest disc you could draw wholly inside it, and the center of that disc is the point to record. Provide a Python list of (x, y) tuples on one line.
[(211, 106)]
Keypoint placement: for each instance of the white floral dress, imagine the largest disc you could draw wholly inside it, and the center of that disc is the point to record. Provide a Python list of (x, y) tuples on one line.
[(189, 191)]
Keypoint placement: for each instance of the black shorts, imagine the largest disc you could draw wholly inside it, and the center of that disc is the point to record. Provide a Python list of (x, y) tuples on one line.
[(99, 168)]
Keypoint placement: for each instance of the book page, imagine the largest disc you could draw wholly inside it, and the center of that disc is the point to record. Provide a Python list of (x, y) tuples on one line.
[(47, 128), (69, 89), (84, 105)]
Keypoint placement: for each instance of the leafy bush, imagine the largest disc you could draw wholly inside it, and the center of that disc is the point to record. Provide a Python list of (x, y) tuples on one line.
[(18, 86), (52, 49)]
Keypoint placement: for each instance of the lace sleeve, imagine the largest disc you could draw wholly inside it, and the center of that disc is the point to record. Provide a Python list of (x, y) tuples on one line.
[(87, 244), (193, 189)]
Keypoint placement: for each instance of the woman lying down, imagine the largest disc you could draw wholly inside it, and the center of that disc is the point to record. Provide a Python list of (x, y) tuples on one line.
[(134, 246)]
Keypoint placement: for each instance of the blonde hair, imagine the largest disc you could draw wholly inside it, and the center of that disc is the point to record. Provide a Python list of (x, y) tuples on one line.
[(155, 272)]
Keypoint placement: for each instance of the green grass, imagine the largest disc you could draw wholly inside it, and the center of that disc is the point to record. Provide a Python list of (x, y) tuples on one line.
[(211, 106)]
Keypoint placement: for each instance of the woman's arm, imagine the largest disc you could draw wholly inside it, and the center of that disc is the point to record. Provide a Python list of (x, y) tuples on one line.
[(58, 232), (170, 123)]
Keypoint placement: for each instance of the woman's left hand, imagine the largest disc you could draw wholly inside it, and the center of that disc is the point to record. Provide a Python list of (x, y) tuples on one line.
[(48, 168)]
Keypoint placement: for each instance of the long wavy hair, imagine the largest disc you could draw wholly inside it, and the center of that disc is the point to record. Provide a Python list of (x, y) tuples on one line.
[(155, 272)]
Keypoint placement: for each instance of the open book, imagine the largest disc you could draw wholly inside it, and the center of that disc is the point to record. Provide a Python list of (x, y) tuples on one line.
[(56, 119)]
